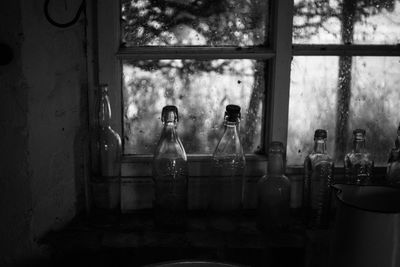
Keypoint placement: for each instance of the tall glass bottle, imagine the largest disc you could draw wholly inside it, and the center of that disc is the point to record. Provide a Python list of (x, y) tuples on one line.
[(227, 179), (393, 167), (358, 163), (106, 187), (273, 190), (318, 170), (170, 174)]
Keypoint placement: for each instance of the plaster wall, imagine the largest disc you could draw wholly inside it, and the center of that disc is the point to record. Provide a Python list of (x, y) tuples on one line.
[(43, 124), (54, 65), (15, 175)]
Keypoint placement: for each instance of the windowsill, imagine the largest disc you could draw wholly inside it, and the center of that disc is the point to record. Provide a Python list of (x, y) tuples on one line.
[(190, 157)]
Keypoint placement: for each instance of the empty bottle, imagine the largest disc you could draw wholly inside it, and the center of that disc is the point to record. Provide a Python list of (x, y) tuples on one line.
[(170, 174), (106, 187), (393, 167), (318, 170), (358, 163), (227, 179), (273, 192)]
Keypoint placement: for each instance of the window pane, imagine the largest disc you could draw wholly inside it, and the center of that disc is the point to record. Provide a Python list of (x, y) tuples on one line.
[(374, 101), (365, 22), (312, 104), (200, 90), (193, 22)]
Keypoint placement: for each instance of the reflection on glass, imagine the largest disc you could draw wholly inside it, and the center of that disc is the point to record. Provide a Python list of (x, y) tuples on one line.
[(200, 90), (373, 104), (193, 22), (346, 21)]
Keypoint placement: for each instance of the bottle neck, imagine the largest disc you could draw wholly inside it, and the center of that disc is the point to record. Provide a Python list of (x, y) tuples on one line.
[(169, 130), (231, 126), (359, 145), (275, 164), (104, 111), (320, 146)]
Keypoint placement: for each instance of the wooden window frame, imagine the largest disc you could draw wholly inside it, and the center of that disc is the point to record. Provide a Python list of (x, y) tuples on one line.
[(105, 15), (105, 54), (104, 57)]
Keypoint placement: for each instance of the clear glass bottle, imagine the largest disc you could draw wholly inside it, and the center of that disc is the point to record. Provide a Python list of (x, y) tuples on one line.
[(227, 179), (170, 174), (273, 193), (318, 170), (106, 186), (358, 163), (393, 167)]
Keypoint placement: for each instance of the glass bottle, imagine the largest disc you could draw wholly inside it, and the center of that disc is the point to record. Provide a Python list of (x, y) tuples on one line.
[(106, 187), (227, 179), (318, 170), (358, 163), (393, 167), (273, 190), (170, 174)]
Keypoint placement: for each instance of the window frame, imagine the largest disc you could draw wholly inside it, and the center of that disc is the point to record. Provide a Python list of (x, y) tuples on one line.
[(105, 54), (108, 54)]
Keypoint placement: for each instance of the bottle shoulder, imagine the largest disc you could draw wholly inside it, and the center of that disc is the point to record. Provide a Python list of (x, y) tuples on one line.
[(356, 157), (318, 158), (268, 178), (107, 134)]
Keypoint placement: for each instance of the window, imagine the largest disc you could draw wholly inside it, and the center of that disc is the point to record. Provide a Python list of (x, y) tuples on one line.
[(342, 58), (345, 75), (197, 55)]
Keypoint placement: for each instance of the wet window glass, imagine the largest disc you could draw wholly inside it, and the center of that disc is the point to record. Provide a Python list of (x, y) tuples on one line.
[(200, 89), (342, 94), (194, 22), (346, 21)]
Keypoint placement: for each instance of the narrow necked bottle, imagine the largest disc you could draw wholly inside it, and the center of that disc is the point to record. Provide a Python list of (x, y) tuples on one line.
[(358, 163), (227, 178), (273, 192), (318, 170), (393, 167), (106, 188), (170, 174)]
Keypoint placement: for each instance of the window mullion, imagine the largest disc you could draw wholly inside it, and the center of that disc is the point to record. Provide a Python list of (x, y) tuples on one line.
[(282, 43)]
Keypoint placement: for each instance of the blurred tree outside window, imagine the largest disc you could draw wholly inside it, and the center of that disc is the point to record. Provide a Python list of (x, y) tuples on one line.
[(344, 92), (199, 88)]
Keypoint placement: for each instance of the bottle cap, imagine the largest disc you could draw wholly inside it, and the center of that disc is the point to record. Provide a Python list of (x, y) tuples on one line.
[(232, 113), (359, 134), (320, 133), (169, 113), (103, 87)]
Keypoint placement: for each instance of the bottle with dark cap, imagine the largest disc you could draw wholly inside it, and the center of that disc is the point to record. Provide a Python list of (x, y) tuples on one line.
[(393, 167), (358, 164), (227, 179), (318, 170), (170, 174), (273, 193)]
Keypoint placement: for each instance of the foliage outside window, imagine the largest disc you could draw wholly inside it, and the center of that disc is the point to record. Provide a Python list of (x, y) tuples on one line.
[(344, 92)]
